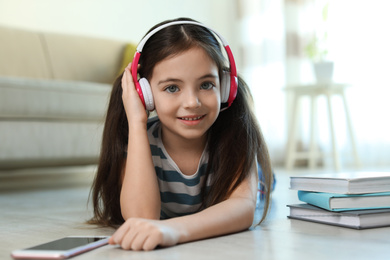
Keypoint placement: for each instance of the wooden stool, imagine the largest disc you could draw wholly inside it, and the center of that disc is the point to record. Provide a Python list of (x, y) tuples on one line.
[(313, 92)]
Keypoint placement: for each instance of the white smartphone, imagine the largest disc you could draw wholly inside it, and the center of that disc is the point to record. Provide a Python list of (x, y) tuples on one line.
[(62, 248)]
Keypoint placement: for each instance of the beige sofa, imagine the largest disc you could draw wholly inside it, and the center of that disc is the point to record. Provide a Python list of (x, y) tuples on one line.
[(54, 90)]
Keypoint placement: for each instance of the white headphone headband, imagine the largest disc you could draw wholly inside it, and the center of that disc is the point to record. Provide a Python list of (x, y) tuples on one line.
[(150, 34)]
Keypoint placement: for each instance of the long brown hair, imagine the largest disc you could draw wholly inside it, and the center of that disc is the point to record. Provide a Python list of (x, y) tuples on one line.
[(235, 141)]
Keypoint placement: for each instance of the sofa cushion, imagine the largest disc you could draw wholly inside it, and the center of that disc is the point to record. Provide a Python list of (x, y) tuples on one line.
[(23, 98), (48, 143), (22, 54), (83, 58)]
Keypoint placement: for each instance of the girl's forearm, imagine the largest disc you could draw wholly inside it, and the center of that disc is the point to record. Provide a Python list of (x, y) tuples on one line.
[(230, 216), (140, 195)]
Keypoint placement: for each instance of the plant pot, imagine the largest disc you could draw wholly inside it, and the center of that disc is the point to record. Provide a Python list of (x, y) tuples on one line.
[(323, 71)]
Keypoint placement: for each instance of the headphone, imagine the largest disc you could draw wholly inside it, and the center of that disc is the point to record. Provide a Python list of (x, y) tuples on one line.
[(229, 80)]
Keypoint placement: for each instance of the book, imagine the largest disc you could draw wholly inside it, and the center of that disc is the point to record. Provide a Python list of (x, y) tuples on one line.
[(356, 219), (342, 202), (343, 183)]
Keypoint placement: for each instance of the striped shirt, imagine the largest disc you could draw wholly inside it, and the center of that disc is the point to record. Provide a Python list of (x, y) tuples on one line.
[(180, 194)]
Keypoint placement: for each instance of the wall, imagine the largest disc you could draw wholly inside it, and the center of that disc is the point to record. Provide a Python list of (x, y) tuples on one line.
[(118, 19)]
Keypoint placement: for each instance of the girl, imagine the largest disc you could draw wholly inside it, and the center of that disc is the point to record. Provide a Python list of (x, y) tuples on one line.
[(190, 172)]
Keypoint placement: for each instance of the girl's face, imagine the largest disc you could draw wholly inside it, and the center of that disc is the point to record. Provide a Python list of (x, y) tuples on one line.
[(186, 92)]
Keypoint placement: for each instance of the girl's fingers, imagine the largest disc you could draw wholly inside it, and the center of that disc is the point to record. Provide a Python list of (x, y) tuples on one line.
[(128, 239), (117, 237), (142, 234), (127, 79), (130, 236), (151, 243), (138, 241)]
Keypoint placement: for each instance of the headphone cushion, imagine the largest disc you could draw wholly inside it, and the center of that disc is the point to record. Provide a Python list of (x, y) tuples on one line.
[(147, 92), (225, 86)]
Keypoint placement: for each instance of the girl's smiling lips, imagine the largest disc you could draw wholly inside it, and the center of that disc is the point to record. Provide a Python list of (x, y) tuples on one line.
[(191, 120)]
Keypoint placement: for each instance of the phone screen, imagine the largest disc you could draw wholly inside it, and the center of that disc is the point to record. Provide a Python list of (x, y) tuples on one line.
[(66, 243), (61, 248)]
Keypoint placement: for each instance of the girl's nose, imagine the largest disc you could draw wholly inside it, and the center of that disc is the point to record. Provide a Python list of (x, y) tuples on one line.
[(191, 100)]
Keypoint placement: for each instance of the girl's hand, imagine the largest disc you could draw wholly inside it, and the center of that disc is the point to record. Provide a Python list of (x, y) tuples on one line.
[(144, 234), (135, 110)]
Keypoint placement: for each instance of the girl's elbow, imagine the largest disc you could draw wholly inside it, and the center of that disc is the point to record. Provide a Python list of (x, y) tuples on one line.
[(249, 217)]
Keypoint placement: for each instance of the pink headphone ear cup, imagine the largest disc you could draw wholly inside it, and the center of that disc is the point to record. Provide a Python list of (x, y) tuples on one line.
[(225, 86), (147, 91)]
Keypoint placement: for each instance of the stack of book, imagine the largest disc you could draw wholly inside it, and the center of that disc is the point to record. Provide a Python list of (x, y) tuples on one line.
[(356, 200)]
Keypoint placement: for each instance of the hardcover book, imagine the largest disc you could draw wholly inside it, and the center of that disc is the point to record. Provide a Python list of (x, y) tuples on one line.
[(356, 219), (342, 202), (343, 183)]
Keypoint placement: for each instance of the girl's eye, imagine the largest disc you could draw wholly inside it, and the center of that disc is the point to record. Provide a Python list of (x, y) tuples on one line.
[(172, 89), (207, 85)]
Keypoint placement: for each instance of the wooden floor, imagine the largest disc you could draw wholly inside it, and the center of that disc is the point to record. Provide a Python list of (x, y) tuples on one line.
[(40, 206)]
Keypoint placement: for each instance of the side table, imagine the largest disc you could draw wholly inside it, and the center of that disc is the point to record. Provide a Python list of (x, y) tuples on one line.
[(314, 91)]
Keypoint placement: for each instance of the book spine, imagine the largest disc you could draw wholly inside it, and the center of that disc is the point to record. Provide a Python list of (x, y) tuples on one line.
[(315, 199)]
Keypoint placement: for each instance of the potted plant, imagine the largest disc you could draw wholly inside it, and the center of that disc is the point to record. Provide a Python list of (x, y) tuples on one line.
[(317, 50)]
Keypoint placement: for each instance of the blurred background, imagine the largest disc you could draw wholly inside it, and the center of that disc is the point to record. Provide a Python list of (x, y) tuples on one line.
[(270, 41)]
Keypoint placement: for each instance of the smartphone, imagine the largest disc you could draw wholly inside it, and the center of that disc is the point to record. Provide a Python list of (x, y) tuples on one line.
[(62, 248)]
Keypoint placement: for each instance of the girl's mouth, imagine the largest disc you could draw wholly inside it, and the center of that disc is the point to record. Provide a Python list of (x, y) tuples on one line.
[(192, 118)]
